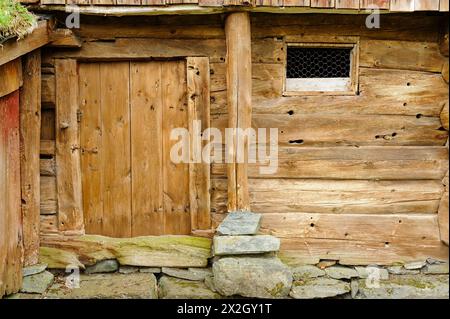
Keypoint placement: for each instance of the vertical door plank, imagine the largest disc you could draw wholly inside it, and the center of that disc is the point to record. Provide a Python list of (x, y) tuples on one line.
[(30, 129), (381, 4), (91, 146), (198, 110), (116, 156), (70, 209), (146, 149), (11, 248), (175, 176), (444, 5)]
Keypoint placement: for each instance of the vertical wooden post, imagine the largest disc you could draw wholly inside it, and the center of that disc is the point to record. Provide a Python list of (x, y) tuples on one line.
[(30, 129), (68, 169), (239, 93)]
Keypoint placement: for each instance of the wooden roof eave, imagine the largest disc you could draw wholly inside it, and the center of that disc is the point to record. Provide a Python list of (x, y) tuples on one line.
[(192, 9), (13, 49)]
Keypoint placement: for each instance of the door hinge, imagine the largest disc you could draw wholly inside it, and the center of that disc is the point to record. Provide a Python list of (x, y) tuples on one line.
[(79, 115)]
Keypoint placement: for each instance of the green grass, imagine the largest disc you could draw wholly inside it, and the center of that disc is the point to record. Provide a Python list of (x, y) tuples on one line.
[(15, 20)]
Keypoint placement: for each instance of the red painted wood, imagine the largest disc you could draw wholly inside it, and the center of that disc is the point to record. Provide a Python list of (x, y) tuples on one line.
[(10, 213)]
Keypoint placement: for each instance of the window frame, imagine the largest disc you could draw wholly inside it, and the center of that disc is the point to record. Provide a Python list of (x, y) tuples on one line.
[(351, 86)]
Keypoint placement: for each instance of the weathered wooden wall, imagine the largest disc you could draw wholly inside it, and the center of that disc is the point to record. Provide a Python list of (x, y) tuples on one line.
[(365, 182)]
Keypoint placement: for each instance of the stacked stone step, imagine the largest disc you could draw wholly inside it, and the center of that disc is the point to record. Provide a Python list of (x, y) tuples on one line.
[(245, 262)]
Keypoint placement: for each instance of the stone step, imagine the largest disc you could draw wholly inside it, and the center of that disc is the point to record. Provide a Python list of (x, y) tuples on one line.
[(241, 245), (240, 223)]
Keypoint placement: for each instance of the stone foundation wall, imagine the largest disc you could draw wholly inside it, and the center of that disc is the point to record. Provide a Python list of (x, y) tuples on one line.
[(243, 264)]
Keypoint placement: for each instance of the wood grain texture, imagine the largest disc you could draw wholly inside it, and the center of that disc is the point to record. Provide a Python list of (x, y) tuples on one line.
[(70, 210), (115, 153), (198, 97), (11, 249), (30, 120), (11, 77), (146, 148), (336, 196), (91, 146), (362, 163), (299, 251), (443, 218), (177, 218), (239, 86)]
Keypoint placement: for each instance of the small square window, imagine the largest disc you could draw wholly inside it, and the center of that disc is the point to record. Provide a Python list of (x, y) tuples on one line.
[(312, 69)]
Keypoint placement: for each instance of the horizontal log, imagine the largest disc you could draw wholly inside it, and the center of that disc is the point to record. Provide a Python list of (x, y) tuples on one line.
[(47, 167), (395, 26), (356, 130), (48, 96), (48, 195), (382, 91), (47, 147), (373, 163), (49, 224), (381, 228), (298, 251), (334, 196), (406, 55)]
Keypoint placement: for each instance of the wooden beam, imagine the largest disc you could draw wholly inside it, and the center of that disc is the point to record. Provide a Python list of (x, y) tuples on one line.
[(30, 129), (64, 38), (11, 79), (239, 92), (68, 178), (13, 49)]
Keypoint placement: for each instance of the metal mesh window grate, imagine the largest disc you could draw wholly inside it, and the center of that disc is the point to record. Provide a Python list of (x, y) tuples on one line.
[(318, 62)]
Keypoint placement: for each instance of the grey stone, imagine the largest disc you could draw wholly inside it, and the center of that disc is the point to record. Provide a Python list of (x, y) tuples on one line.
[(108, 286), (319, 288), (32, 270), (104, 266), (407, 287), (240, 223), (153, 270), (260, 277), (400, 270), (196, 274), (37, 283), (436, 269), (307, 271), (176, 288), (340, 272), (375, 272), (239, 245), (128, 269), (433, 261), (354, 286), (415, 265), (209, 282)]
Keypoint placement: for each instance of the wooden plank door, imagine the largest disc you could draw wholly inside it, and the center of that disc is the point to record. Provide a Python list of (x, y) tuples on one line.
[(10, 212), (130, 185)]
